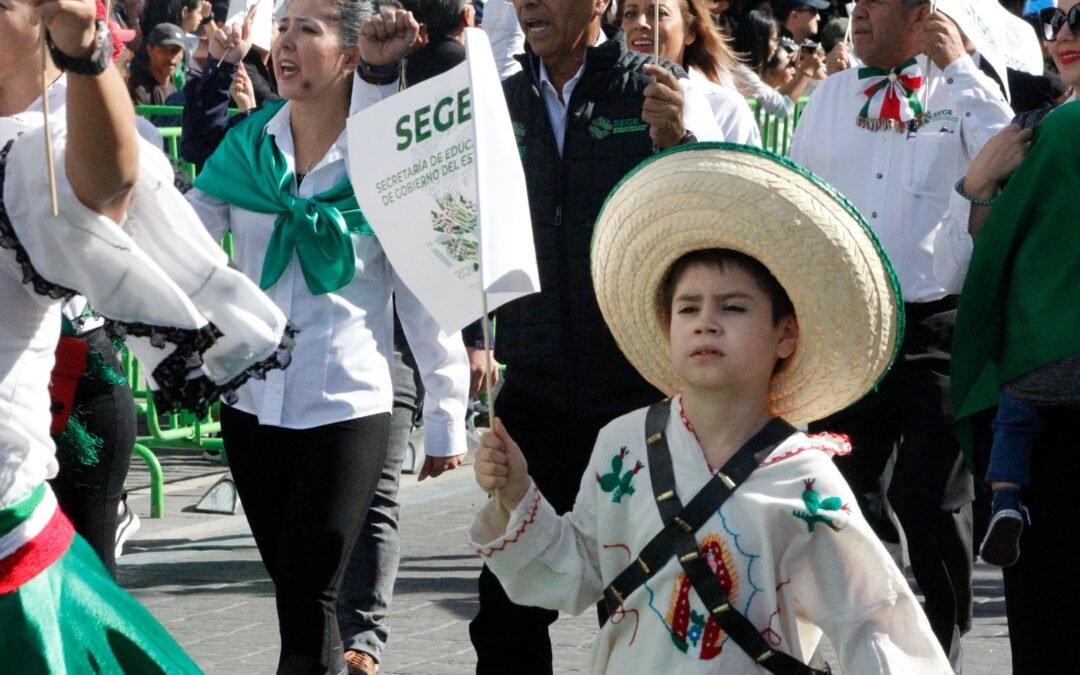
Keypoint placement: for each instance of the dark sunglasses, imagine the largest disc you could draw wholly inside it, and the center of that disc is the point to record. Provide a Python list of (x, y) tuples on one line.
[(1052, 19)]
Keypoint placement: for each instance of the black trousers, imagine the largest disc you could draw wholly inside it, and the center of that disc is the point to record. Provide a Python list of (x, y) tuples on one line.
[(1040, 594), (90, 494), (306, 493), (910, 413), (511, 638)]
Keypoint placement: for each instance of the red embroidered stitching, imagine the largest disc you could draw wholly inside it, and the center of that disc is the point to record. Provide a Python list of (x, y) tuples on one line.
[(774, 638), (842, 440), (629, 556), (620, 614), (512, 539)]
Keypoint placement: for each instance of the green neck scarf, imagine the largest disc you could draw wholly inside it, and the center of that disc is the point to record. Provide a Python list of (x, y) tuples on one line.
[(1020, 308), (248, 170)]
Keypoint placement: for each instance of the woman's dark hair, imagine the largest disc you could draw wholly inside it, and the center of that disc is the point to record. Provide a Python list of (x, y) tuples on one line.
[(752, 38), (721, 258), (166, 11), (348, 15)]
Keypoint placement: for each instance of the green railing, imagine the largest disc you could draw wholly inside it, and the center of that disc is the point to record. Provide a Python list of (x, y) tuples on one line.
[(170, 134), (776, 131)]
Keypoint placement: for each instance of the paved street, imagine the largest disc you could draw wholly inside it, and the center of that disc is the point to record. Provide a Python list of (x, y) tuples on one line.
[(201, 576)]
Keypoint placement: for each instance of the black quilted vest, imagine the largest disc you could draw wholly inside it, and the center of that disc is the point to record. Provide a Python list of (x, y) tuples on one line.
[(556, 347)]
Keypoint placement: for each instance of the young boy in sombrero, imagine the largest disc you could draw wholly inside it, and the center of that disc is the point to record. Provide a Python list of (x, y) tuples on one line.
[(719, 537)]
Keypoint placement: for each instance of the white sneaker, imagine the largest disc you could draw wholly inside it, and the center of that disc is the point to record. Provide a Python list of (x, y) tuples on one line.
[(127, 524)]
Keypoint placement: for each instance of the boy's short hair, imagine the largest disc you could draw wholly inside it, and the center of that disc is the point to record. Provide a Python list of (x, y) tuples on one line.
[(720, 258)]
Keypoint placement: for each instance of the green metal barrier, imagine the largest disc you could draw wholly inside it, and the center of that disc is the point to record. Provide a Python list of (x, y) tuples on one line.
[(170, 134), (776, 131)]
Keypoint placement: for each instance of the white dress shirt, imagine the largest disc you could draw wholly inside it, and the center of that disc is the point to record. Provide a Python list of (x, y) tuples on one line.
[(697, 115), (953, 246), (341, 366), (902, 182), (729, 108)]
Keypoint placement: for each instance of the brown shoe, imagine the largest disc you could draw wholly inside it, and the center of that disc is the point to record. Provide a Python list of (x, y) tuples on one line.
[(361, 663)]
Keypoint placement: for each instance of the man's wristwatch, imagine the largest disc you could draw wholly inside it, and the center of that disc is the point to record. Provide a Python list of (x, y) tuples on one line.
[(95, 64)]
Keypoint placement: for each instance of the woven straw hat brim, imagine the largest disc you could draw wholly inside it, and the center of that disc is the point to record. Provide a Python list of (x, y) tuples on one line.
[(719, 195)]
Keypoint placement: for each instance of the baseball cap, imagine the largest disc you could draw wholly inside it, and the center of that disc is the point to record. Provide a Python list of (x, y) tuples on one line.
[(785, 7), (166, 34)]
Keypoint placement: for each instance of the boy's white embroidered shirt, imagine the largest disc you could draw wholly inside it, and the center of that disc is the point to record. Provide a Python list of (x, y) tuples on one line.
[(790, 546)]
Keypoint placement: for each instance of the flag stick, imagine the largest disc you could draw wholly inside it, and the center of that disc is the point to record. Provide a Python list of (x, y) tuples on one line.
[(488, 375), (250, 17), (656, 32), (929, 65), (48, 132)]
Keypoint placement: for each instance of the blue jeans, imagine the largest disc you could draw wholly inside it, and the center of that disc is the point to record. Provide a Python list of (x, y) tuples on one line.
[(1016, 427), (368, 586)]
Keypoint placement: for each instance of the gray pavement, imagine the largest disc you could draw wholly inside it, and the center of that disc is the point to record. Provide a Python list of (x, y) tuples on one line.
[(201, 576)]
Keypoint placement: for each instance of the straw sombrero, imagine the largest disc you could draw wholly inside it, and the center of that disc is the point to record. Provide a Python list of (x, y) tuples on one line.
[(720, 195)]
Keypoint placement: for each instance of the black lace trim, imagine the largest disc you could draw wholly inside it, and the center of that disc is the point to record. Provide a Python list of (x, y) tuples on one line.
[(171, 375), (197, 395), (10, 241)]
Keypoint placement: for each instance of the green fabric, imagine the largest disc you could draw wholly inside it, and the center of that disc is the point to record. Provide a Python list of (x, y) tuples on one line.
[(249, 171), (73, 618), (15, 514), (76, 444), (1020, 307)]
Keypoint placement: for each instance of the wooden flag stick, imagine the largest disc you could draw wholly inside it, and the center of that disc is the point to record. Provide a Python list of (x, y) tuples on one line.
[(929, 65), (488, 375), (656, 32), (250, 17), (48, 133)]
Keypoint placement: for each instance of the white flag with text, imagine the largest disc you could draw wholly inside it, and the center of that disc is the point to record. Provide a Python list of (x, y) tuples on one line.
[(437, 173)]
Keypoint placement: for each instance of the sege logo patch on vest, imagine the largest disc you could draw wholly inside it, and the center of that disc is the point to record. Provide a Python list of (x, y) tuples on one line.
[(601, 127), (519, 136)]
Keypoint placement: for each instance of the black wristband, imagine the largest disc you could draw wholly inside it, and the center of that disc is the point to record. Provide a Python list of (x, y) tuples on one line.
[(95, 64), (378, 74)]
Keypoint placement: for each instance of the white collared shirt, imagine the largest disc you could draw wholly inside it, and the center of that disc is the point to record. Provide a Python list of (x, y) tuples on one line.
[(697, 115), (729, 108), (902, 183), (341, 367)]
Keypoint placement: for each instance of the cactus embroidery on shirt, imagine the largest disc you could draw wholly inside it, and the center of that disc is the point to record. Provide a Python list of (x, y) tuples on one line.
[(617, 482), (831, 511)]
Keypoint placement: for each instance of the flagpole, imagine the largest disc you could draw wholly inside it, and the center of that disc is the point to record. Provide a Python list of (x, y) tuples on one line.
[(488, 375), (929, 65), (656, 32), (48, 133)]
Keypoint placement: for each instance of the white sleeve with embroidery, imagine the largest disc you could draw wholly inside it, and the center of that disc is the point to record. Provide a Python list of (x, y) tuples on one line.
[(849, 586), (541, 558)]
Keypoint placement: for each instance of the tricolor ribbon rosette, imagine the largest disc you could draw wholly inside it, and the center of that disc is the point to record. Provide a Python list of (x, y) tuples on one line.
[(892, 97)]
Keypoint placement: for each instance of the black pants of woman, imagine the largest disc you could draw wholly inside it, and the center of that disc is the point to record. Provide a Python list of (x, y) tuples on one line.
[(90, 493), (306, 493)]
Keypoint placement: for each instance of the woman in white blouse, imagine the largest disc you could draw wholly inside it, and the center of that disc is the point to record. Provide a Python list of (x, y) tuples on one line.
[(689, 38), (306, 447)]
